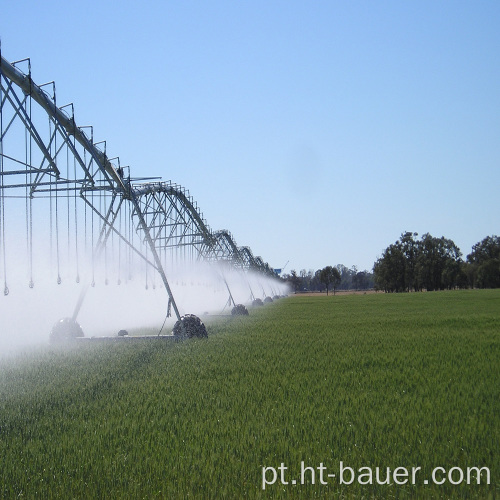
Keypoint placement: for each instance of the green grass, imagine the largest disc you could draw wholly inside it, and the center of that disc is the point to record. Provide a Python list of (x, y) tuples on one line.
[(382, 380)]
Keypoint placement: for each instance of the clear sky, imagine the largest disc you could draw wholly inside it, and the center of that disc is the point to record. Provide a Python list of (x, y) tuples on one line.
[(315, 131)]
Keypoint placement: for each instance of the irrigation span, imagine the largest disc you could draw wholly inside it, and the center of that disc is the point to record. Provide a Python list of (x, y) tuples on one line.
[(70, 215)]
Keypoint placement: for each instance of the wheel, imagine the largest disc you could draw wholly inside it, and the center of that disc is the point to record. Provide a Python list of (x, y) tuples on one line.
[(239, 310), (189, 326), (66, 329)]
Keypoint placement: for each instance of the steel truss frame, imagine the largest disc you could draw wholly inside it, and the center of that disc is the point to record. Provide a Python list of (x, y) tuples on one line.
[(167, 218)]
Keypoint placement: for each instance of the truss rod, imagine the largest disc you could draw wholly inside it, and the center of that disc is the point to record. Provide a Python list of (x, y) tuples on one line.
[(154, 252), (29, 87), (123, 238)]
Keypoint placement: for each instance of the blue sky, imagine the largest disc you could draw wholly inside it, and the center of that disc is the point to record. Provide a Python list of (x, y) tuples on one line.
[(316, 132)]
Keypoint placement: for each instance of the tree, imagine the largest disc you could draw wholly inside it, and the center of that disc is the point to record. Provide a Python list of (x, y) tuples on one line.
[(345, 275), (318, 284), (483, 263), (409, 247), (362, 280), (488, 274), (389, 270), (431, 263), (310, 280), (354, 279), (336, 279), (488, 248), (330, 275), (438, 263), (294, 279)]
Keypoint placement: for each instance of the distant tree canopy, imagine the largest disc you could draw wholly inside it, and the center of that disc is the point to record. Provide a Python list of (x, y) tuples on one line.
[(342, 278), (436, 264), (330, 276), (484, 263), (294, 280), (412, 264)]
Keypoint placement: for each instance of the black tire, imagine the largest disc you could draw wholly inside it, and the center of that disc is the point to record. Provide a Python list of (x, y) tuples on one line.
[(66, 329), (189, 326), (239, 310)]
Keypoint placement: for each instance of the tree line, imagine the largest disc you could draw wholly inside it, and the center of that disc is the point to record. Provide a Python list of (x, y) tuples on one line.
[(431, 263), (411, 264), (334, 278)]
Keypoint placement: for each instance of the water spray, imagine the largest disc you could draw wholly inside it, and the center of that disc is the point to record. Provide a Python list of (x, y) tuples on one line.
[(33, 169)]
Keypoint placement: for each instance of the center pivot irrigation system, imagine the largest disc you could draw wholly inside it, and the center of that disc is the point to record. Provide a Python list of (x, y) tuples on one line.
[(59, 191)]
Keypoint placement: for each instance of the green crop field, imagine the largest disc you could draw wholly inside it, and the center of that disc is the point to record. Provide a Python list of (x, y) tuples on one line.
[(376, 380)]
